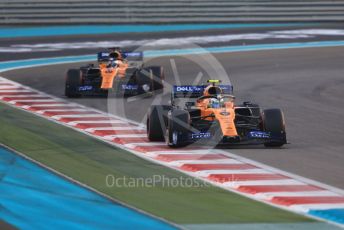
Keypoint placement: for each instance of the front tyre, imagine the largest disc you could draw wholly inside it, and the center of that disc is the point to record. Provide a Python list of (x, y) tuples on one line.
[(178, 127), (156, 122), (273, 122), (158, 77), (73, 81)]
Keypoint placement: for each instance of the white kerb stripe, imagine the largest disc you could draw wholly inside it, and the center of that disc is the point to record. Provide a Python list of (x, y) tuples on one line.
[(133, 145), (226, 171), (307, 207), (52, 105), (221, 161), (91, 130), (57, 117), (235, 184), (73, 123), (60, 110), (16, 91), (111, 137), (8, 87), (194, 151), (32, 100), (270, 195), (30, 97)]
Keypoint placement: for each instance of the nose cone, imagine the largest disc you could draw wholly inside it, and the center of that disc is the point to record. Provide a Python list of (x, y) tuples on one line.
[(230, 139)]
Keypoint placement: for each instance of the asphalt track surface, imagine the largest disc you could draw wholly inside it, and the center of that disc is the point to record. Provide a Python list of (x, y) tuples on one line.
[(8, 42), (306, 83)]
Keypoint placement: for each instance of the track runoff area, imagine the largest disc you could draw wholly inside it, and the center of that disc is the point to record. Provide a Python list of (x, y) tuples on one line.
[(228, 171)]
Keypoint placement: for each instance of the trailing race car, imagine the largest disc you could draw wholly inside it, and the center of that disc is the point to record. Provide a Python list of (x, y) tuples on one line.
[(120, 73), (207, 113)]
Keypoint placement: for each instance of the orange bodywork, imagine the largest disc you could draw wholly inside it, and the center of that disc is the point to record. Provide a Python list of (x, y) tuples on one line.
[(225, 115), (109, 74)]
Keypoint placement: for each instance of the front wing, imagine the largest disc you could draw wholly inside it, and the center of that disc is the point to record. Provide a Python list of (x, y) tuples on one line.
[(118, 89), (252, 137)]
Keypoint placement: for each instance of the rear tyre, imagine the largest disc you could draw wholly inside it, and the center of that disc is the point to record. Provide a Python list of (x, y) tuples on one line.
[(73, 81), (273, 122), (158, 77), (144, 79), (156, 122), (178, 127)]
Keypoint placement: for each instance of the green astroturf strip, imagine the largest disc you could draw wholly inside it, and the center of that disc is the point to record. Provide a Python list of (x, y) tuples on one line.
[(89, 161)]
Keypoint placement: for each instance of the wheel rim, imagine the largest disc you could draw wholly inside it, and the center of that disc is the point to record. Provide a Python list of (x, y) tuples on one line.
[(174, 138)]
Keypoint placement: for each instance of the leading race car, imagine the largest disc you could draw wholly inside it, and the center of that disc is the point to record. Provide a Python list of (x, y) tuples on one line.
[(117, 72), (207, 113)]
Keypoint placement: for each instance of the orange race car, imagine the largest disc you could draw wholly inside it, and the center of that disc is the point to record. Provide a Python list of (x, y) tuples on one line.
[(121, 73), (207, 113)]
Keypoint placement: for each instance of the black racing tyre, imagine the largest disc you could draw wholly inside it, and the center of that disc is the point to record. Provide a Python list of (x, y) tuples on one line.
[(158, 77), (273, 122), (156, 122), (144, 79), (178, 126), (73, 81)]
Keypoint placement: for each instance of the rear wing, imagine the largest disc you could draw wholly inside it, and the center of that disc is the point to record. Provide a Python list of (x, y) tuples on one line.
[(129, 56), (133, 56), (192, 91), (103, 56)]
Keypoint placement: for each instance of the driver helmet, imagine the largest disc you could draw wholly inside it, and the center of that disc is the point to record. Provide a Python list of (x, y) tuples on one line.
[(214, 103), (113, 63), (116, 54), (212, 91)]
